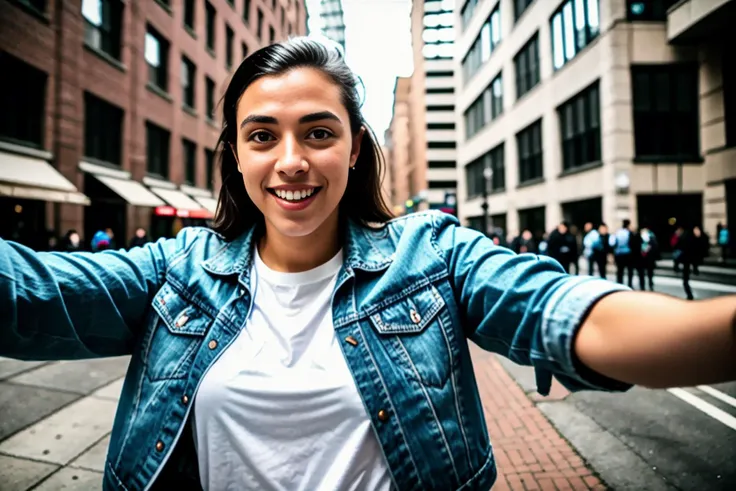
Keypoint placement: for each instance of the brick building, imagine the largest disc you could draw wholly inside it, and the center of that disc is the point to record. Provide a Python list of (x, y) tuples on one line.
[(108, 109)]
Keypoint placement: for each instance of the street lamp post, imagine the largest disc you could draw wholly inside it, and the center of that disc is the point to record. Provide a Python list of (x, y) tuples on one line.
[(487, 176)]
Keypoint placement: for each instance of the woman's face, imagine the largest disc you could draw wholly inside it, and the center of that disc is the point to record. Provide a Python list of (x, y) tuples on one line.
[(295, 150)]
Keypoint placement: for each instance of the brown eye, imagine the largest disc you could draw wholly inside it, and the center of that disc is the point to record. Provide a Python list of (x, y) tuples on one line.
[(319, 134), (261, 137)]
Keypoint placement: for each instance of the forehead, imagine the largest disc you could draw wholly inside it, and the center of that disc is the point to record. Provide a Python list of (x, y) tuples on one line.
[(296, 90)]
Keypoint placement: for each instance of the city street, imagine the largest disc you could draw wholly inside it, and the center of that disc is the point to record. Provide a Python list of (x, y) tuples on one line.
[(55, 419)]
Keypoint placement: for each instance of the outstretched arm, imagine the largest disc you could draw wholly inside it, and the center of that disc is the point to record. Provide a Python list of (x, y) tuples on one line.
[(658, 341)]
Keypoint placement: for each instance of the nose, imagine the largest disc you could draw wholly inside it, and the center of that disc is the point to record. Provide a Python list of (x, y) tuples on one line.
[(291, 159)]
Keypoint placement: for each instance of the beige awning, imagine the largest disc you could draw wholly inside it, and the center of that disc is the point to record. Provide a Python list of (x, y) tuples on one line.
[(23, 176), (210, 204), (177, 199), (131, 191)]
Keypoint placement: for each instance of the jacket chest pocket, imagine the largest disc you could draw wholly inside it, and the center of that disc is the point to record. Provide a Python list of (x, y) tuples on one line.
[(417, 334), (175, 334)]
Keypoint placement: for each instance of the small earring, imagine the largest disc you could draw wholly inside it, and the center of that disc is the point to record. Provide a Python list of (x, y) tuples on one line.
[(352, 167)]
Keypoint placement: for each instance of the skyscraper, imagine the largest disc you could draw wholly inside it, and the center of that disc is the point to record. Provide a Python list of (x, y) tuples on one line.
[(333, 22)]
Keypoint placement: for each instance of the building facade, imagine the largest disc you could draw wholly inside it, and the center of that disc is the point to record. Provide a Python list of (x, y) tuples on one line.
[(333, 21), (109, 109), (595, 110), (432, 106)]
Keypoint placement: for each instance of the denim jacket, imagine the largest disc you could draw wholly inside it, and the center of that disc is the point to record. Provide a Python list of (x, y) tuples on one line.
[(408, 297)]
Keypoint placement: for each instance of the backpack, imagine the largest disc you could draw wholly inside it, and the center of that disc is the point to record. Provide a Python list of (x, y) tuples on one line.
[(622, 238)]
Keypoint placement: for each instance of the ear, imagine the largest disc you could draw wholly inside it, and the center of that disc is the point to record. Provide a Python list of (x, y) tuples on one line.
[(355, 151), (235, 155)]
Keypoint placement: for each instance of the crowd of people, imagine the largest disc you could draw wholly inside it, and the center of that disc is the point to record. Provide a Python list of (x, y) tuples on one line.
[(633, 252), (102, 240)]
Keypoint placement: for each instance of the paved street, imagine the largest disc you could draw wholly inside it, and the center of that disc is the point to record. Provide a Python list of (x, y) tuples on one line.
[(55, 419)]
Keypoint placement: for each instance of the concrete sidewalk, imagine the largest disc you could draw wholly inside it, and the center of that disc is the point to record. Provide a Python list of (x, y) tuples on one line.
[(55, 421)]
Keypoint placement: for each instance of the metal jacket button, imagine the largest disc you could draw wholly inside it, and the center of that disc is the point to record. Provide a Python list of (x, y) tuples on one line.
[(159, 446), (184, 400), (212, 344), (415, 317), (182, 320), (382, 415)]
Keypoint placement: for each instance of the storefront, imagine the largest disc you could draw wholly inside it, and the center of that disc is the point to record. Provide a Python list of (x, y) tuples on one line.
[(110, 190), (27, 184), (179, 210)]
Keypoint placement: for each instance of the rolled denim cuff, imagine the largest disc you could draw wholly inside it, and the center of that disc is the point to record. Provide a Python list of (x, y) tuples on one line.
[(563, 316)]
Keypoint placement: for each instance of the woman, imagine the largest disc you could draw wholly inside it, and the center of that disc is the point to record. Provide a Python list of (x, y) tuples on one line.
[(310, 342)]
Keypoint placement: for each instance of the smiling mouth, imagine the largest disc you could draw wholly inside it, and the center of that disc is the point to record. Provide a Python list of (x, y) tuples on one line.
[(294, 196)]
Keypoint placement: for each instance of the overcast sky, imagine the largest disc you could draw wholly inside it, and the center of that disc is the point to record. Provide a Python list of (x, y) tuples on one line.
[(377, 48)]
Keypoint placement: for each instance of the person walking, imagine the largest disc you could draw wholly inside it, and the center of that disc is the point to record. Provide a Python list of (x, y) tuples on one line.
[(694, 245), (562, 246), (723, 241), (72, 241), (311, 340), (140, 238), (649, 255), (524, 243), (620, 242), (592, 247)]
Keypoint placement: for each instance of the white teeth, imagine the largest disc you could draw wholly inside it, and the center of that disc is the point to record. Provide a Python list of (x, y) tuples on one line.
[(294, 195)]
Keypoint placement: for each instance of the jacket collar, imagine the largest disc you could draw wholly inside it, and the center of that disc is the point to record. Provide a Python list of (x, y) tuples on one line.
[(364, 248)]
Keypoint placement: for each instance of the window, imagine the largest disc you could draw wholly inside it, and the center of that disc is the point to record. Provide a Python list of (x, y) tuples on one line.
[(648, 9), (38, 5), (271, 35), (210, 86), (157, 57), (529, 148), (580, 128), (439, 74), (209, 162), (440, 90), (259, 27), (189, 6), (520, 7), (157, 150), (534, 220), (526, 63), (246, 10), (244, 50), (467, 11), (729, 96), (574, 26), (102, 25), (483, 46), (436, 144), (440, 126), (442, 184), (211, 19), (441, 164), (666, 123), (22, 101), (229, 35), (188, 76), (475, 179), (487, 107), (448, 107), (189, 152), (103, 129)]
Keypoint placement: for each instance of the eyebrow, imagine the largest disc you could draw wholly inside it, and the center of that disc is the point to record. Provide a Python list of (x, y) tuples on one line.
[(307, 118)]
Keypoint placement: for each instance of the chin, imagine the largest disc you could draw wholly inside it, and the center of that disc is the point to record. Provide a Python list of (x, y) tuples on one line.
[(295, 228)]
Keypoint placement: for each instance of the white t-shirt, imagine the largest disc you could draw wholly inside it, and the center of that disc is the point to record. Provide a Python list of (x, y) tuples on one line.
[(279, 410)]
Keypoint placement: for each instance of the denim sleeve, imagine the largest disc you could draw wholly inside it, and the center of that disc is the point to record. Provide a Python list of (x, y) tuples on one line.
[(523, 306), (76, 305)]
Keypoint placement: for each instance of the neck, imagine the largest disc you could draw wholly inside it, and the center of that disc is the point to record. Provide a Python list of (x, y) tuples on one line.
[(297, 254)]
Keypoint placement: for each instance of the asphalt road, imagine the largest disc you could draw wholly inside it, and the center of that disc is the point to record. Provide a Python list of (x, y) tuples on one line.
[(679, 439)]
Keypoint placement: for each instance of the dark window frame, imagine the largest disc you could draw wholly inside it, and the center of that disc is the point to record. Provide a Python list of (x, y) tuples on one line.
[(651, 10), (229, 49), (580, 38), (526, 66), (665, 104), (521, 6), (442, 145), (485, 108), (23, 102), (190, 18), (159, 75), (530, 151), (209, 162), (246, 11), (188, 82), (210, 88), (441, 164), (158, 148), (476, 57), (259, 27), (107, 36), (475, 180), (440, 126), (580, 128), (729, 96), (103, 130), (210, 26), (189, 159)]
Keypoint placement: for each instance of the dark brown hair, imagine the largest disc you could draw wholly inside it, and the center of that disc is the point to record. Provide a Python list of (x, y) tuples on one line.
[(363, 199)]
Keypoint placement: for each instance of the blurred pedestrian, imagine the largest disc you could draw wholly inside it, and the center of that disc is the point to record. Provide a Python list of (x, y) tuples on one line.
[(723, 241), (591, 242), (676, 247), (620, 242), (52, 241), (524, 243), (694, 247), (72, 241), (100, 241), (649, 256), (562, 246), (140, 238), (112, 244)]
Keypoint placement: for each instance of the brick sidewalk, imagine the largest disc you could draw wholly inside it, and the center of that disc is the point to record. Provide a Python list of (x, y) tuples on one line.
[(530, 453)]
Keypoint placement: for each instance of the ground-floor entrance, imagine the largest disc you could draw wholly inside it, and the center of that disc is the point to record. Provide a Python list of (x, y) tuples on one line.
[(24, 221), (578, 213), (534, 220), (106, 210), (664, 213)]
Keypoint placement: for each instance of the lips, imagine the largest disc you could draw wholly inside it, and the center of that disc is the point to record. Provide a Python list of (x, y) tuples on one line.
[(294, 194)]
